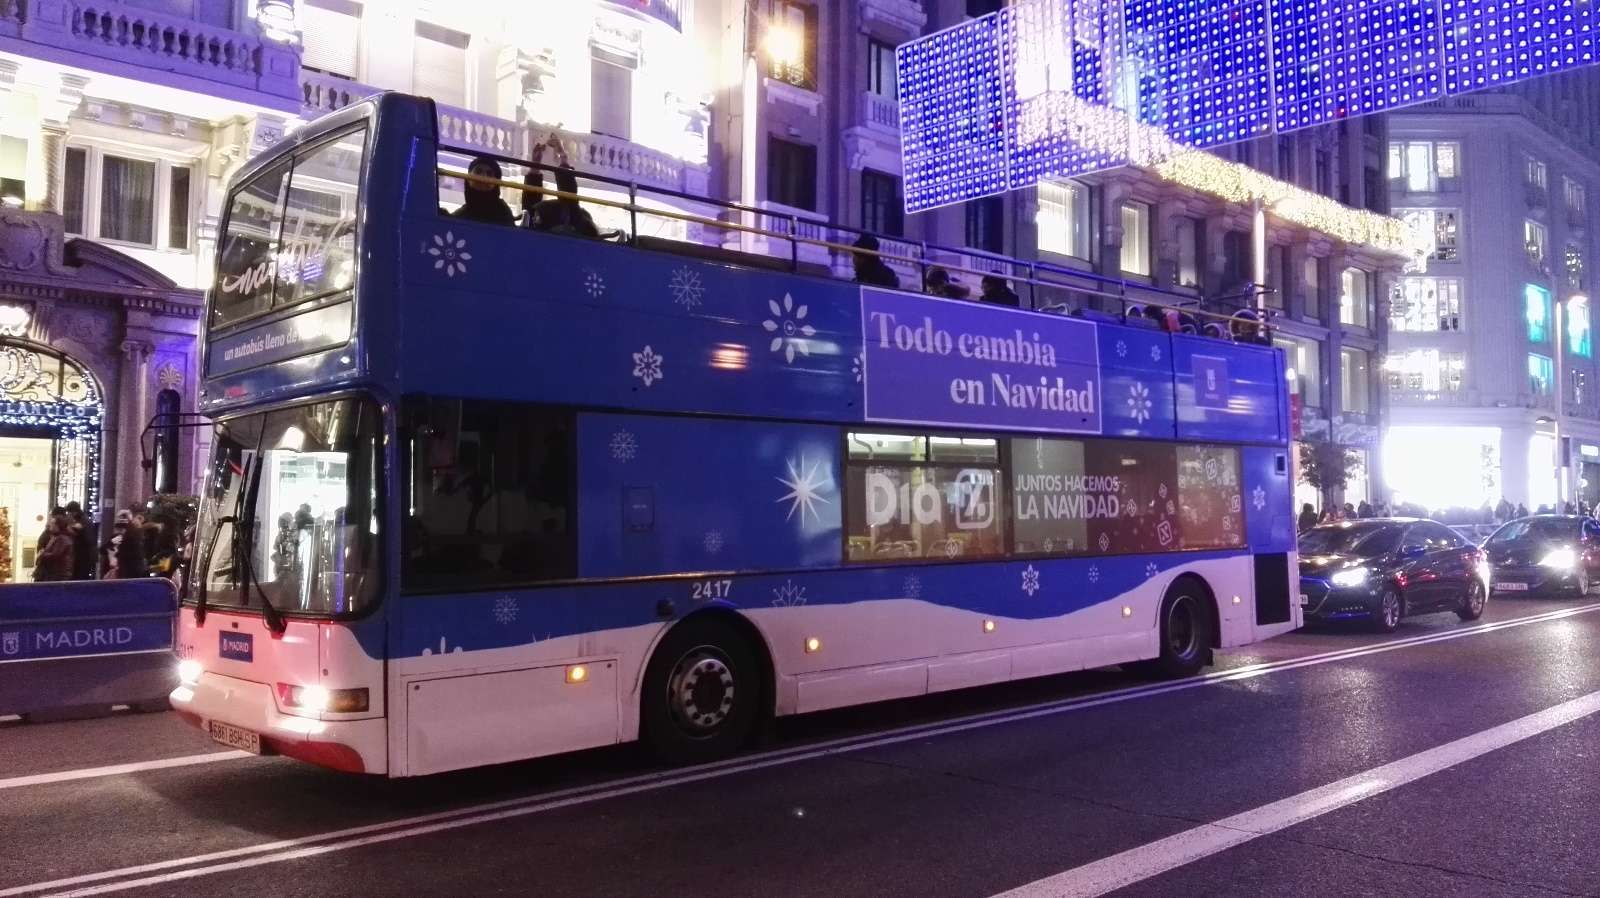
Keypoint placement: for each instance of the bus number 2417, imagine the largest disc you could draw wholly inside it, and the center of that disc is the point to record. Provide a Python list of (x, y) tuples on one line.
[(706, 590)]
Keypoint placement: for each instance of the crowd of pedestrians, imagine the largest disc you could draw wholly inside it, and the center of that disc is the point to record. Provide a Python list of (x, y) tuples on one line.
[(1486, 514), (134, 547)]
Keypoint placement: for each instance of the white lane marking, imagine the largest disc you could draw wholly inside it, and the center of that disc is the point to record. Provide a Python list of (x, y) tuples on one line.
[(84, 773), (1138, 864), (306, 846)]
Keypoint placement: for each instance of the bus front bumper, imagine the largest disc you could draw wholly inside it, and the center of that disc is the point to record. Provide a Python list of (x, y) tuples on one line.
[(244, 715)]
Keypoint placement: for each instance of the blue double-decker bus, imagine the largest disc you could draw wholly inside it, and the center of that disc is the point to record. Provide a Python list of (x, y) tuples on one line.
[(482, 492)]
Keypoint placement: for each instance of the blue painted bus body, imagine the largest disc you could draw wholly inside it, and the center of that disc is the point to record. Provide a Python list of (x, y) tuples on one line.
[(718, 380)]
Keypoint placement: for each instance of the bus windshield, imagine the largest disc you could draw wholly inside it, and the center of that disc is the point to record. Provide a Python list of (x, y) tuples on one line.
[(290, 232), (289, 514)]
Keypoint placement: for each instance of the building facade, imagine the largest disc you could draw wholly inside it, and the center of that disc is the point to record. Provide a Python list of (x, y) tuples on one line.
[(127, 120), (1491, 370)]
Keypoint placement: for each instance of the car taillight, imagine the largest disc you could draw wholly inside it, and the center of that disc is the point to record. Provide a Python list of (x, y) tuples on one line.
[(319, 699)]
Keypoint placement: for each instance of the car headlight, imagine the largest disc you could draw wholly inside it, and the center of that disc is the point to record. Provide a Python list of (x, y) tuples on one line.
[(1562, 559), (189, 671), (1351, 576)]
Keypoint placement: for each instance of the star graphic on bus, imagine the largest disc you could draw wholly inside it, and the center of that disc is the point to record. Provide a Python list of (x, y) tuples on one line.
[(449, 253), (805, 490), (647, 366), (789, 333), (1139, 402), (1030, 580)]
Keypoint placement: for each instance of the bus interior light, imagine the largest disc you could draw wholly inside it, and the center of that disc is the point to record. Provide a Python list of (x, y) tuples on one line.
[(577, 673), (813, 645)]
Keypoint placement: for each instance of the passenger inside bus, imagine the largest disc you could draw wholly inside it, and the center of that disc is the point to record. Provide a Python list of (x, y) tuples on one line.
[(869, 265), (483, 200)]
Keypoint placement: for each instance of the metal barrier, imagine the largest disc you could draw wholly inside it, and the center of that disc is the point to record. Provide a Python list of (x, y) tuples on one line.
[(78, 648)]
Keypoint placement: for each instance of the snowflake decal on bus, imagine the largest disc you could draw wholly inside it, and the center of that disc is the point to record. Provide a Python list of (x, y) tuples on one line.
[(1094, 573), (1258, 498), (787, 327), (805, 489), (1122, 349), (858, 366), (713, 542), (912, 587), (1150, 570), (686, 288), (505, 610), (594, 284), (647, 366), (623, 446), (1155, 353), (789, 595), (1030, 580), (449, 254), (1139, 402), (442, 648)]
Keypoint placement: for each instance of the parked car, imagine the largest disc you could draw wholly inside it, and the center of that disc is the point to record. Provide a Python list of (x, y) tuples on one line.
[(1383, 569), (1546, 553)]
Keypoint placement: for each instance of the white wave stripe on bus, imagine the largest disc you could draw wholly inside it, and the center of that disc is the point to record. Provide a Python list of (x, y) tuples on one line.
[(377, 833)]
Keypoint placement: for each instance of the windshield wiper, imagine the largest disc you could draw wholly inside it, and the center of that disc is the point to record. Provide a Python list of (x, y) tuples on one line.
[(274, 617)]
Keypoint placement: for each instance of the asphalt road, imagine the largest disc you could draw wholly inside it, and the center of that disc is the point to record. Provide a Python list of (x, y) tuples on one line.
[(1445, 760)]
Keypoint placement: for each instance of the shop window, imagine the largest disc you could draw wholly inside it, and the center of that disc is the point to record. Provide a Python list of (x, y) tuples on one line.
[(985, 224), (1444, 225), (1355, 297), (331, 32), (1536, 242), (791, 44), (1354, 386), (1541, 374), (881, 70), (1311, 287), (610, 99), (439, 64), (1575, 266), (1538, 177), (1574, 194), (1424, 374), (1188, 237), (1304, 358), (1424, 166)]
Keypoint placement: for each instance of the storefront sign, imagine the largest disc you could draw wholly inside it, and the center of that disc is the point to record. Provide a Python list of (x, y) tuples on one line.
[(668, 12), (1589, 450), (969, 365), (279, 340)]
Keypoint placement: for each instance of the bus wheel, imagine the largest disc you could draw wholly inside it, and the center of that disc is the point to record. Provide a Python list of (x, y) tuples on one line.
[(701, 692), (1185, 631)]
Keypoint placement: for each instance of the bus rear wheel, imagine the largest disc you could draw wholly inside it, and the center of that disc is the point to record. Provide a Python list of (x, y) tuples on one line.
[(1185, 631), (701, 693)]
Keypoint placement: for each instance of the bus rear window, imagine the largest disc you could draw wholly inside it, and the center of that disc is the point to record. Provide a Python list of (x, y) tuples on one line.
[(291, 232)]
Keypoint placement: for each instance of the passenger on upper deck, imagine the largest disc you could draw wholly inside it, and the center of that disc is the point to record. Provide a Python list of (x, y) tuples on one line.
[(869, 266), (997, 291), (938, 283), (483, 200), (558, 214)]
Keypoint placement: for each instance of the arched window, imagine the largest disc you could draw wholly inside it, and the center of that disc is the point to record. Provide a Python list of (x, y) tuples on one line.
[(166, 454)]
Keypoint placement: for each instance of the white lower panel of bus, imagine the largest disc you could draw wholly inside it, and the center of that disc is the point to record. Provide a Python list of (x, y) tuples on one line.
[(467, 721)]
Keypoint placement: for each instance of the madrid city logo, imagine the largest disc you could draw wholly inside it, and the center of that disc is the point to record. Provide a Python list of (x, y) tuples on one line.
[(10, 642)]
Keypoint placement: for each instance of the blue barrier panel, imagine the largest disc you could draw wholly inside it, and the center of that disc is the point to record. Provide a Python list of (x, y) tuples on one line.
[(85, 645)]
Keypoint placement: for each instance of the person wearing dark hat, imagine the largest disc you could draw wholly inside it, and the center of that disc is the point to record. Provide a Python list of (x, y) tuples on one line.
[(483, 200), (561, 215), (869, 265), (996, 290)]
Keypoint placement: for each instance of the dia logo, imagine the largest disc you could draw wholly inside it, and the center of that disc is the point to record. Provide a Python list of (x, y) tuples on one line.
[(10, 642)]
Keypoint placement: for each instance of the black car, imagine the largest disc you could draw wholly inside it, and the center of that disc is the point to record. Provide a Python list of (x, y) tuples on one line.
[(1545, 553), (1382, 569)]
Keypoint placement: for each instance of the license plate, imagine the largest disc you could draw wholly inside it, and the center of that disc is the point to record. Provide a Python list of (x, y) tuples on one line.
[(1511, 587), (235, 737)]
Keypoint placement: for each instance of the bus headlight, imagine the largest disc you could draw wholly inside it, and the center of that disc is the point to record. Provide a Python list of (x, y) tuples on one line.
[(1563, 559), (317, 699), (1351, 576), (189, 671)]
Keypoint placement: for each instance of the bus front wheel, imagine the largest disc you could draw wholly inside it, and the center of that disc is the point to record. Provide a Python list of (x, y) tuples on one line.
[(700, 693)]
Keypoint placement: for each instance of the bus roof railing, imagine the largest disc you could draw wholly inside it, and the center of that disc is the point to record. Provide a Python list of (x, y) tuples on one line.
[(1035, 274)]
